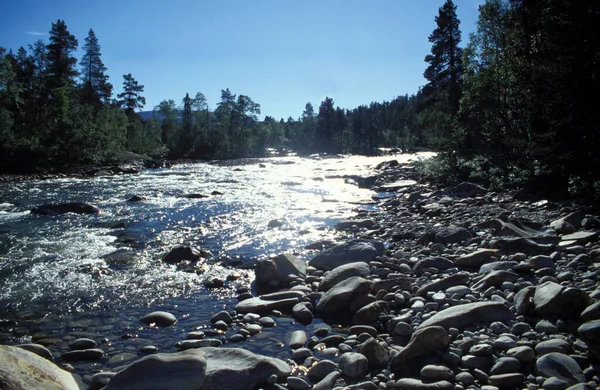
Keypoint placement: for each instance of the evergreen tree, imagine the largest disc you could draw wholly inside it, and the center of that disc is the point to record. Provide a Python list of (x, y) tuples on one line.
[(61, 71), (96, 88), (131, 99), (325, 128)]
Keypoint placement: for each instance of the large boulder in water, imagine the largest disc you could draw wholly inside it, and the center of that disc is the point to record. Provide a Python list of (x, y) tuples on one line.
[(279, 271), (63, 208), (23, 370), (180, 253), (347, 252)]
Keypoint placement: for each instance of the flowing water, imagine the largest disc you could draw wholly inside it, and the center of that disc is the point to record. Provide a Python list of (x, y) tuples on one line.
[(58, 278)]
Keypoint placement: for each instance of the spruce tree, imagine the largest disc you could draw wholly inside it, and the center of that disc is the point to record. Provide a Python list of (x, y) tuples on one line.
[(96, 88), (61, 71), (131, 99)]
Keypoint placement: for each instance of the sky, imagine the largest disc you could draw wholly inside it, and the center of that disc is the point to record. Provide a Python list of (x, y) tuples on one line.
[(280, 53)]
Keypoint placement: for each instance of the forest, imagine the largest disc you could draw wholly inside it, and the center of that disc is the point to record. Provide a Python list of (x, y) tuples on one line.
[(511, 108)]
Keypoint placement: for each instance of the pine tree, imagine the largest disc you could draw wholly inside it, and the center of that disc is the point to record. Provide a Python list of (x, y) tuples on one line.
[(131, 99), (96, 88), (61, 71)]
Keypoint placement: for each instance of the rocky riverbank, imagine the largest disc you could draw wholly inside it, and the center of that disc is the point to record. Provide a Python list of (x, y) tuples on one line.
[(440, 288)]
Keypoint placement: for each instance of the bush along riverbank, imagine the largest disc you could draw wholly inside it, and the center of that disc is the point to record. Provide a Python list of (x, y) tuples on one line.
[(439, 288)]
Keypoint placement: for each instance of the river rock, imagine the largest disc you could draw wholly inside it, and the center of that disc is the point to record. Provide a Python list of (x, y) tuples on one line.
[(440, 263), (460, 278), (437, 373), (495, 278), (589, 332), (100, 380), (39, 350), (553, 299), (424, 342), (82, 343), (181, 370), (180, 253), (353, 365), (159, 318), (63, 208), (349, 223), (560, 366), (340, 296), (265, 304), (344, 272), (348, 252), (83, 355), (512, 245), (375, 353), (279, 271), (461, 316), (467, 189), (234, 368), (21, 369), (370, 313), (569, 223), (418, 384), (302, 314), (445, 235), (328, 382), (477, 258), (507, 380)]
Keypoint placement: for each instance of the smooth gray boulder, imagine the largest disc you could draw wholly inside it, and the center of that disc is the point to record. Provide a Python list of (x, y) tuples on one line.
[(560, 366), (424, 342), (445, 235), (339, 297), (21, 369), (344, 272), (477, 258), (265, 304), (182, 370), (347, 252), (353, 365), (461, 316), (159, 318), (569, 223), (589, 332), (552, 299), (279, 271), (235, 368), (39, 350)]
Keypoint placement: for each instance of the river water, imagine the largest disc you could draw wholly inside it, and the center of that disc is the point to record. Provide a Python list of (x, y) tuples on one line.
[(58, 280)]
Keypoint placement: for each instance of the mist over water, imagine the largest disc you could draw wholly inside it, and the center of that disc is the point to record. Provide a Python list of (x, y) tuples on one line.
[(54, 267)]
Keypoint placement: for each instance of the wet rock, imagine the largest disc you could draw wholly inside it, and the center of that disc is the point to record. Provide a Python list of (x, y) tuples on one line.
[(274, 223), (424, 342), (302, 314), (297, 383), (181, 253), (353, 365), (344, 272), (198, 343), (137, 198), (195, 196), (461, 316), (349, 223), (159, 318), (348, 252), (183, 370), (417, 384), (560, 366), (321, 370), (82, 343), (100, 380), (82, 355), (63, 208), (279, 271), (298, 339), (39, 350), (265, 304), (21, 369)]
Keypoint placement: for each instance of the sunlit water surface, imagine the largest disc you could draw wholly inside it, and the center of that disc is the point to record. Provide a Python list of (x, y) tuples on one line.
[(55, 279)]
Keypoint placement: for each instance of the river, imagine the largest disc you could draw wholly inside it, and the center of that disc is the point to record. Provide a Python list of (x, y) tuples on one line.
[(59, 281)]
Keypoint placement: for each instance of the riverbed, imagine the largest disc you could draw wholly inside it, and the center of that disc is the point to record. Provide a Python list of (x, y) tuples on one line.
[(94, 276)]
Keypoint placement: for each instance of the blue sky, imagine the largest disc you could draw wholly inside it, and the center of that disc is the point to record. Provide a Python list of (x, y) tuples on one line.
[(281, 53)]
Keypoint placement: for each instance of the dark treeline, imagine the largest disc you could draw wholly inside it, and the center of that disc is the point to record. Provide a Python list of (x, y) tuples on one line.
[(515, 107), (512, 107)]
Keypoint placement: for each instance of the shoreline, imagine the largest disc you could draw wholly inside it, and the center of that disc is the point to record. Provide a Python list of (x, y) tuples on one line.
[(439, 240)]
